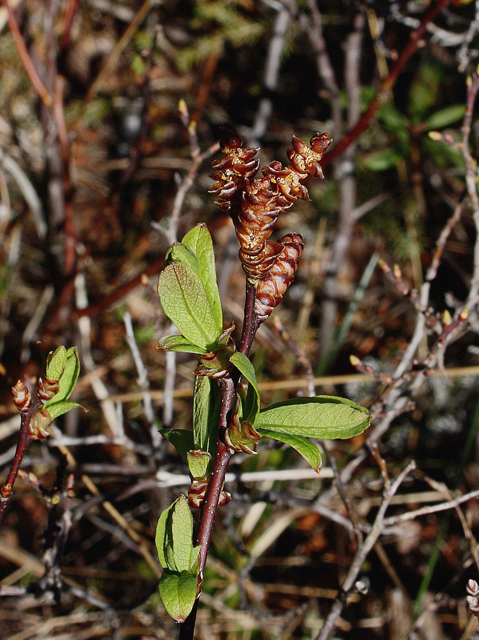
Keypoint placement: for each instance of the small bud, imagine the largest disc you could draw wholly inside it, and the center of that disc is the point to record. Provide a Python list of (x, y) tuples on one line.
[(363, 586), (37, 429), (472, 598), (355, 362), (192, 127), (55, 499), (435, 135), (463, 315), (383, 265), (21, 397), (182, 108), (242, 436), (397, 272), (224, 498), (446, 318), (6, 491), (472, 588), (196, 493), (46, 388)]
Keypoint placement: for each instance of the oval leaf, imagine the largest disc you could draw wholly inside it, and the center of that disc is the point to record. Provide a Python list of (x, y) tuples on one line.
[(252, 403), (185, 302), (182, 532), (163, 538), (178, 592), (305, 447), (199, 241), (199, 464), (179, 343), (178, 252), (173, 538), (445, 117), (181, 439), (59, 408), (206, 408), (56, 363), (317, 417), (68, 379)]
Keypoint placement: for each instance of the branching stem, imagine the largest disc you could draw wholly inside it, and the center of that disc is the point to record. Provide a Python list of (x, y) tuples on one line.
[(416, 41), (222, 453)]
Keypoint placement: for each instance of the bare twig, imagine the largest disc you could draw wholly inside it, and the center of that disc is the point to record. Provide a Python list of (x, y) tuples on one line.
[(142, 380), (25, 57), (382, 95), (362, 553), (444, 506)]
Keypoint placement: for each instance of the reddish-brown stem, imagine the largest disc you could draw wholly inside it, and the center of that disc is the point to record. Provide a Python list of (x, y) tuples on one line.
[(250, 322), (22, 445), (222, 452), (387, 84), (25, 57), (72, 7)]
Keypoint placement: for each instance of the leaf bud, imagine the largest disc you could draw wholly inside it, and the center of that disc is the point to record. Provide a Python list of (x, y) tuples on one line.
[(38, 426), (46, 388), (242, 436), (446, 318), (383, 265), (397, 272), (6, 491), (355, 362), (463, 315), (21, 397)]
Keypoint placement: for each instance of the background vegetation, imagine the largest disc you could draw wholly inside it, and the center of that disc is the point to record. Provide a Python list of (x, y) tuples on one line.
[(100, 172)]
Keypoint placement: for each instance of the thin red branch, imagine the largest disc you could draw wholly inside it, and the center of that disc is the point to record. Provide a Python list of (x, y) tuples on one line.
[(23, 441), (25, 57), (72, 7), (387, 84)]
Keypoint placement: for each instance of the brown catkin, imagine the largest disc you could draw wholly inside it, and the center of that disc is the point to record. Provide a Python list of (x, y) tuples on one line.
[(255, 204), (271, 288)]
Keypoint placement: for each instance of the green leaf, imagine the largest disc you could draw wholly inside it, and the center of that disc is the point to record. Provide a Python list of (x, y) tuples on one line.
[(181, 439), (185, 302), (199, 241), (68, 379), (173, 538), (392, 119), (305, 447), (206, 407), (317, 417), (445, 117), (59, 408), (182, 532), (178, 252), (56, 363), (382, 160), (199, 464), (178, 592), (162, 537), (179, 343), (246, 368), (424, 90)]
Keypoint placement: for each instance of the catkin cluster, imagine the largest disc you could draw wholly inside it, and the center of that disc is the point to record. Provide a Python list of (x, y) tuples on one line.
[(255, 204)]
